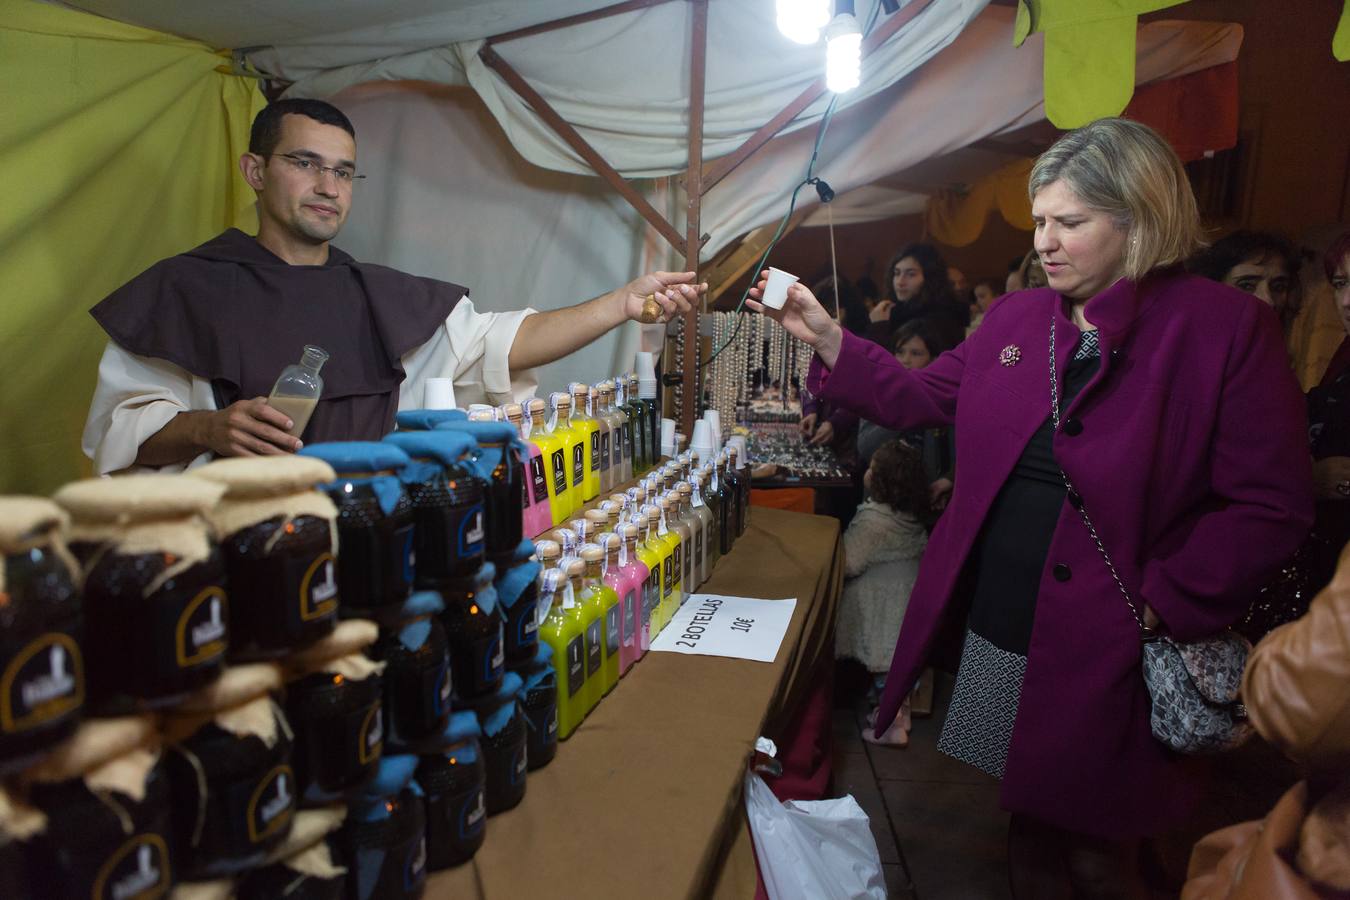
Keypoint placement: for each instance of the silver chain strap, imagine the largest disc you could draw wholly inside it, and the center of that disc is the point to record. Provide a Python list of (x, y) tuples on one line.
[(1144, 630)]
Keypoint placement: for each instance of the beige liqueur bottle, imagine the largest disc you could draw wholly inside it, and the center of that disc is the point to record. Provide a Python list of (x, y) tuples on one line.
[(704, 514), (608, 471), (618, 469), (298, 389), (698, 529)]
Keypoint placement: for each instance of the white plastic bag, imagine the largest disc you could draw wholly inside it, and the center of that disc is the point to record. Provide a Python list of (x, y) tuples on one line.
[(813, 849)]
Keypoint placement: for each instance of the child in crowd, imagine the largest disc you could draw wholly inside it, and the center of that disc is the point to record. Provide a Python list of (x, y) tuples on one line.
[(882, 547)]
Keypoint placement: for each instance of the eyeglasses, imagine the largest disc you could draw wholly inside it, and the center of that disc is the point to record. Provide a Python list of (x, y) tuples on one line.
[(304, 164)]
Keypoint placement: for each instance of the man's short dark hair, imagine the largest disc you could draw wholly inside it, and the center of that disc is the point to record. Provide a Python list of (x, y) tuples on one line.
[(266, 133)]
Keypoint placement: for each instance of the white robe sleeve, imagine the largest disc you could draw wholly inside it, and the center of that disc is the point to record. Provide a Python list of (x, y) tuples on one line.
[(473, 349), (135, 397)]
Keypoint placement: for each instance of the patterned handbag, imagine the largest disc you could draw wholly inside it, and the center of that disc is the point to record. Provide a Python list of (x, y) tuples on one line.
[(1193, 685)]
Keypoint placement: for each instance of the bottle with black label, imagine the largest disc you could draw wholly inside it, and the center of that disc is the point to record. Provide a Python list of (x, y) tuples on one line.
[(715, 495), (650, 400), (583, 421), (537, 515), (518, 599), (731, 509), (611, 442), (637, 414), (575, 442), (564, 633), (42, 677), (708, 523), (619, 407), (553, 451), (603, 601), (689, 527), (156, 612)]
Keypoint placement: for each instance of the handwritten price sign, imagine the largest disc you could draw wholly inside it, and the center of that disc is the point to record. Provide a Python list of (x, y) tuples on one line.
[(738, 627)]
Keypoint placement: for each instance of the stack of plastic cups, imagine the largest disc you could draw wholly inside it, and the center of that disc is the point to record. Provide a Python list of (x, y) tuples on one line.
[(714, 420), (669, 445), (703, 443)]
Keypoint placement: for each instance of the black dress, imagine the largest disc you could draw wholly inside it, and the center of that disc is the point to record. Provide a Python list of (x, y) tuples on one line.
[(1005, 569)]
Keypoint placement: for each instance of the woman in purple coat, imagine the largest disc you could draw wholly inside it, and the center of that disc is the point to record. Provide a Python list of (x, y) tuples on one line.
[(1183, 433)]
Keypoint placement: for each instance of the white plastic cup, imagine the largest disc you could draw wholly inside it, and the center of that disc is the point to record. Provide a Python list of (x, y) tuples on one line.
[(702, 442), (775, 292), (644, 364), (742, 456), (668, 443), (439, 394), (714, 420)]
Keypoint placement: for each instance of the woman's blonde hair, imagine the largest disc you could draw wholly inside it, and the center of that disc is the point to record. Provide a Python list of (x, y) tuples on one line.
[(1127, 170)]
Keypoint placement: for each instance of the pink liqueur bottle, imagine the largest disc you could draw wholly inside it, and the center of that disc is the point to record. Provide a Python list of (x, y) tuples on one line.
[(536, 517), (627, 575)]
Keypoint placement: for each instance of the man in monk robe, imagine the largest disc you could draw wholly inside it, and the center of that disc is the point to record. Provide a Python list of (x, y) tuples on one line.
[(198, 339)]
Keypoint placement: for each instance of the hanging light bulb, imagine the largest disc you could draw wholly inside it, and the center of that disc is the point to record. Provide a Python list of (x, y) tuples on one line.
[(843, 53), (801, 20)]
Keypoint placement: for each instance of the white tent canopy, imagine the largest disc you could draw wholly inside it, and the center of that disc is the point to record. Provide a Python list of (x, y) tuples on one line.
[(449, 195)]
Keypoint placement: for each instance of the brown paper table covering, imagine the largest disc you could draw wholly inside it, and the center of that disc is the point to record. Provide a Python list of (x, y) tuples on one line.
[(644, 800)]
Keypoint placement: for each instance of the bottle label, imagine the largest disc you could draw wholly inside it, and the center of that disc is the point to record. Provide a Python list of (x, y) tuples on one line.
[(668, 577), (43, 682), (613, 624), (578, 463), (494, 657), (652, 595), (681, 567), (595, 451), (628, 441), (538, 481), (318, 589), (618, 446), (594, 651), (698, 550), (139, 868), (630, 617), (604, 450), (272, 804), (576, 665), (558, 463), (202, 629), (472, 531), (370, 737)]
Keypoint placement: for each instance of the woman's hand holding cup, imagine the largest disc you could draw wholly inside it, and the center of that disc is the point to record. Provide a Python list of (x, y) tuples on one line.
[(803, 317)]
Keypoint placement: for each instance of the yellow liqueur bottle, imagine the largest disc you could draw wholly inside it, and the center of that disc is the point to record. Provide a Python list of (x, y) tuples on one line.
[(602, 601), (563, 634)]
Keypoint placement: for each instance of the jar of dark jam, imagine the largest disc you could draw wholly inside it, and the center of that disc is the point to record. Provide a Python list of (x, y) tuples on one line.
[(334, 703), (156, 613), (375, 570), (276, 532), (100, 842), (306, 866), (501, 464), (448, 504), (518, 591), (233, 786), (42, 669), (503, 743), (316, 873), (18, 822), (474, 627), (384, 839), (538, 698), (454, 779), (417, 675)]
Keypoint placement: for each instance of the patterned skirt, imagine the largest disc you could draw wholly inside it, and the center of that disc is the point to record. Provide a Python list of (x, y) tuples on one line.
[(979, 725)]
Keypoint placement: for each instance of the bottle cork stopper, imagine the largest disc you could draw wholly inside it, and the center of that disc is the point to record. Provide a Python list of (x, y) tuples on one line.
[(632, 529), (548, 549), (513, 412), (609, 542), (536, 406), (597, 517), (561, 399), (685, 489), (575, 568), (591, 554)]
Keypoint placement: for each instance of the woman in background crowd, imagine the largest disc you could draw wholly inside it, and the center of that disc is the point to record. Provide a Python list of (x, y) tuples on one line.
[(1168, 403), (919, 289), (1257, 262)]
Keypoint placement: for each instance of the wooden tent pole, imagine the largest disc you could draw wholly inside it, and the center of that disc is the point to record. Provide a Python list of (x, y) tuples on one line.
[(693, 186), (580, 18), (574, 140)]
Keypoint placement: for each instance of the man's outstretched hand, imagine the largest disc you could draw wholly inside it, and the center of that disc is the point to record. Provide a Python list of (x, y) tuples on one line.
[(675, 292)]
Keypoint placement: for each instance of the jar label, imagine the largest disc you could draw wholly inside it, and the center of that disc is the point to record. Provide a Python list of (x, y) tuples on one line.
[(494, 657), (472, 814), (318, 589), (630, 614), (576, 667), (539, 483), (578, 463), (441, 692), (43, 682), (604, 449), (595, 450), (138, 870), (271, 805), (594, 652), (370, 737), (613, 618), (415, 869), (519, 763), (202, 628), (472, 532)]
